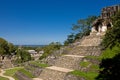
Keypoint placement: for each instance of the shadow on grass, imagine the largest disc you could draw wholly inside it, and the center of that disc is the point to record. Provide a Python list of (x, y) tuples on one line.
[(110, 69)]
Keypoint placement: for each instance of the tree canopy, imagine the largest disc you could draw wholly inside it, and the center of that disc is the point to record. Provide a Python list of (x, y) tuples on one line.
[(49, 49), (80, 29), (4, 48), (23, 56)]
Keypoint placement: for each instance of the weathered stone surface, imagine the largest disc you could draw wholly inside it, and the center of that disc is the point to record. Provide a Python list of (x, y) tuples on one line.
[(7, 64), (91, 42), (72, 77), (88, 46), (69, 61), (50, 74), (86, 51)]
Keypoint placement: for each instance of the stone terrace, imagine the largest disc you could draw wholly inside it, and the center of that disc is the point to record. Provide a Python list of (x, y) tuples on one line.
[(69, 62)]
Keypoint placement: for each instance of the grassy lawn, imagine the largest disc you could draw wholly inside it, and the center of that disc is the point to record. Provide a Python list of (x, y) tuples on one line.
[(27, 73), (84, 64), (110, 53), (36, 63), (92, 57), (2, 78), (86, 75), (95, 67), (11, 72)]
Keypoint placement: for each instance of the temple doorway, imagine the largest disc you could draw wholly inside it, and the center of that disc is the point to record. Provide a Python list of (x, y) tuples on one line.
[(109, 26)]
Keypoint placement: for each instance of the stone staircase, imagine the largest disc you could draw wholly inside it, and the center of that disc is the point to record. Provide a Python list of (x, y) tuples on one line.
[(54, 73), (63, 65), (91, 41), (86, 51), (90, 45), (67, 63)]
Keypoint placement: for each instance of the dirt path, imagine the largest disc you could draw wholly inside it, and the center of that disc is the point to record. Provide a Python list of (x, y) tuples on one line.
[(2, 75)]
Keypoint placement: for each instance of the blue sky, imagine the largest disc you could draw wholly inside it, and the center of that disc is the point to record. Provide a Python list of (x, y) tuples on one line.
[(43, 21)]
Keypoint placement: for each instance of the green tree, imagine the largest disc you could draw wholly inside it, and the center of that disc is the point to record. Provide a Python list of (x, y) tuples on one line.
[(70, 39), (4, 49), (53, 46), (39, 49), (23, 56), (82, 28), (12, 48)]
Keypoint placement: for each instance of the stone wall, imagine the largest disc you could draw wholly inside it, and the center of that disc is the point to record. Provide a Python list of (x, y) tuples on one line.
[(35, 70), (72, 77), (69, 62), (48, 74), (6, 64)]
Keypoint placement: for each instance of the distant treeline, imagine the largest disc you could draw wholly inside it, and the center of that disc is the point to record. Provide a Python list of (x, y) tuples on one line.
[(31, 45)]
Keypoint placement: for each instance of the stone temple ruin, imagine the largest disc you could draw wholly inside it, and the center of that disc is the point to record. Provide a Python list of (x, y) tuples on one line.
[(104, 22)]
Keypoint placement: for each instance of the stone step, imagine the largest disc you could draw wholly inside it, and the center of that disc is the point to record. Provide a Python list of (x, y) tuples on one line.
[(54, 73), (91, 42), (86, 50), (75, 56), (86, 53), (69, 61), (59, 69)]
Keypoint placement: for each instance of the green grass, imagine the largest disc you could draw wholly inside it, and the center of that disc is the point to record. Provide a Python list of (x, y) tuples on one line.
[(68, 49), (15, 77), (95, 66), (110, 53), (92, 57), (27, 73), (2, 78), (36, 63), (86, 75), (11, 72), (29, 68), (84, 64)]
